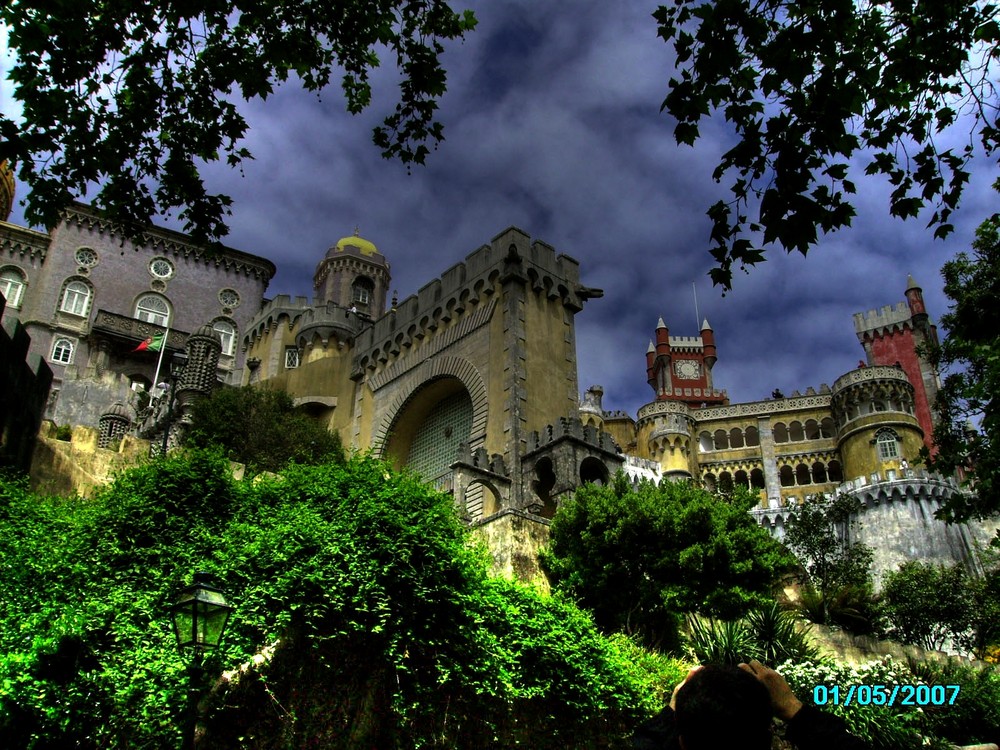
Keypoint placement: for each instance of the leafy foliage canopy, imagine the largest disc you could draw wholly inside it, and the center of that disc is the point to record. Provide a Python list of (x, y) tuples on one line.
[(260, 428), (812, 86), (970, 392), (639, 558), (132, 94), (362, 583)]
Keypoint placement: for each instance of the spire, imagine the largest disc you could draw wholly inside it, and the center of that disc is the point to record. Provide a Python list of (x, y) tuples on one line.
[(651, 348), (911, 283), (660, 323), (705, 326)]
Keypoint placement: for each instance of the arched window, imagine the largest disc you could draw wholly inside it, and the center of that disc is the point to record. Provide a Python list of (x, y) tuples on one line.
[(227, 333), (12, 285), (795, 432), (705, 442), (742, 479), (826, 427), (361, 290), (812, 429), (62, 351), (752, 437), (757, 479), (780, 433), (709, 481), (725, 482), (154, 309), (76, 298), (787, 476), (819, 473), (736, 438), (887, 443), (802, 474), (834, 472), (721, 440)]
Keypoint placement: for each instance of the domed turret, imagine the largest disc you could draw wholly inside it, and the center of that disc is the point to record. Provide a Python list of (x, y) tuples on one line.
[(354, 275), (354, 242)]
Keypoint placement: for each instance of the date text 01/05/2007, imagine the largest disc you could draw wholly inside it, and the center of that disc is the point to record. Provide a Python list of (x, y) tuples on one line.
[(885, 695)]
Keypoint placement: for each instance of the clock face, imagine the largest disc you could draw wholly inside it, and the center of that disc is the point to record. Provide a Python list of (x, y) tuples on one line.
[(687, 369)]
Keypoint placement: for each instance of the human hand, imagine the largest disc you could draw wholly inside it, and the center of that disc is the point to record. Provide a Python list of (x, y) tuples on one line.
[(783, 700)]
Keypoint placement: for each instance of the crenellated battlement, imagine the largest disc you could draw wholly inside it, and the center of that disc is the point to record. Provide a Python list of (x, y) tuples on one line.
[(690, 343), (511, 254), (571, 427), (885, 317)]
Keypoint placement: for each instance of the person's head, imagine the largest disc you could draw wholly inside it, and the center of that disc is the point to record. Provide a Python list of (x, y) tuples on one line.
[(721, 707)]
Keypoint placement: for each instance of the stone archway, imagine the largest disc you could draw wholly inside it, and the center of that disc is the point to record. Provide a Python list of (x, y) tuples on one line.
[(426, 432)]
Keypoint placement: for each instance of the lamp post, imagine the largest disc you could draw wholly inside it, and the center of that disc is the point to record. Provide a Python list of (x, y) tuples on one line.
[(177, 363), (200, 616)]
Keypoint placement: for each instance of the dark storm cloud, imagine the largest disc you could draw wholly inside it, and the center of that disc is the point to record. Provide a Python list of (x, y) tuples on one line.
[(552, 124)]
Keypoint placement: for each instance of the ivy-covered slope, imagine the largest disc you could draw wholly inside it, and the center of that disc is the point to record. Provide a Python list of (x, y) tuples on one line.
[(389, 631)]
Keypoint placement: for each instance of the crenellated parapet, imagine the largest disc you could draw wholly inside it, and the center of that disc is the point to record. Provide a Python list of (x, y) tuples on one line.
[(283, 309), (883, 320), (468, 286), (320, 325)]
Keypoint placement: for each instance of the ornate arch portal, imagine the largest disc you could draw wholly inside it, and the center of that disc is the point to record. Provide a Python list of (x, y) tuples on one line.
[(428, 429)]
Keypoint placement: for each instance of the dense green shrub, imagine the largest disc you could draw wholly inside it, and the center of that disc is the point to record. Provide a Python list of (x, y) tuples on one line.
[(260, 428), (361, 580), (640, 557), (974, 718)]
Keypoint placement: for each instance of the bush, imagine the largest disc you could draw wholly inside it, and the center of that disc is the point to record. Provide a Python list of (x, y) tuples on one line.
[(926, 605), (260, 428), (639, 557), (767, 634), (388, 628), (974, 717), (895, 728)]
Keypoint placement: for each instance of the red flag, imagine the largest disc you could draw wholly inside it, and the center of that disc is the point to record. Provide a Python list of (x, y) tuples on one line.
[(152, 344)]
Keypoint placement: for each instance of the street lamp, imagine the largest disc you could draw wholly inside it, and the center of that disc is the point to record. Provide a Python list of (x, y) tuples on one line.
[(200, 615)]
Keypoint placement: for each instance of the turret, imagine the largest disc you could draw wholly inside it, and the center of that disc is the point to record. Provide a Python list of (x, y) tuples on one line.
[(915, 298), (662, 339), (708, 342)]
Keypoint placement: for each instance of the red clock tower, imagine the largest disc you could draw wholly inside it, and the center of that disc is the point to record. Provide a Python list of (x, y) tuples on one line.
[(679, 368)]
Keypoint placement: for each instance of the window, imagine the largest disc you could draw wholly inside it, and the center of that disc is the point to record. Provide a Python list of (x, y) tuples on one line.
[(86, 257), (76, 298), (291, 358), (62, 351), (227, 332), (229, 298), (887, 443), (362, 290), (12, 286), (161, 268), (153, 309)]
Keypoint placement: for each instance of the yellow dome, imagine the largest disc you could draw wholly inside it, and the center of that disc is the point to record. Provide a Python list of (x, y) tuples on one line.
[(6, 191), (366, 247)]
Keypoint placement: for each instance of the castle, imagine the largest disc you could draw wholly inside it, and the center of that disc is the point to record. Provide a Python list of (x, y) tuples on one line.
[(472, 381)]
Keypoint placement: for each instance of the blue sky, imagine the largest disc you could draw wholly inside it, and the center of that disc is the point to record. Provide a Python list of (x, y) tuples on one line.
[(552, 124)]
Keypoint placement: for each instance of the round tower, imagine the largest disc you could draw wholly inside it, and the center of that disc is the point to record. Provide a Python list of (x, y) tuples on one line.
[(877, 430), (354, 275), (664, 429), (592, 409)]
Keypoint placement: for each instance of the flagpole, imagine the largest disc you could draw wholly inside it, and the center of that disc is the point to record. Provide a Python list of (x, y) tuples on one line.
[(159, 362)]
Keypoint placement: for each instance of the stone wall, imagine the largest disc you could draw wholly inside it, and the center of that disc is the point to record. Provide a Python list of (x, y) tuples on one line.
[(77, 466)]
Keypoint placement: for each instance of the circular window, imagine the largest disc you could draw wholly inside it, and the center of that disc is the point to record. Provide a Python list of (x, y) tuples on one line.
[(86, 257), (161, 268), (229, 298)]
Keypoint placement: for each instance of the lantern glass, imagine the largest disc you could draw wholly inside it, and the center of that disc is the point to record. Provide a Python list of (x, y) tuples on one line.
[(200, 615)]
